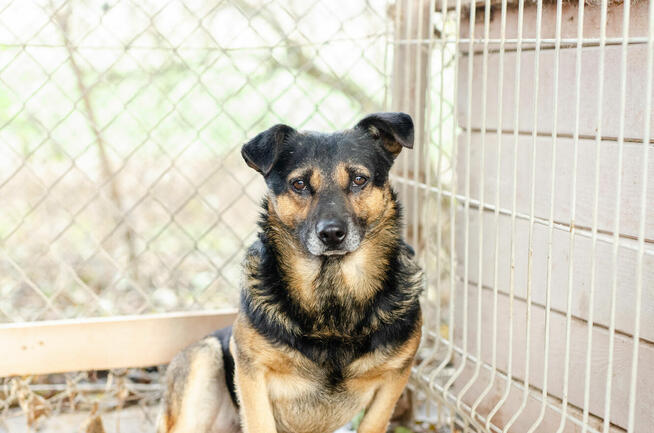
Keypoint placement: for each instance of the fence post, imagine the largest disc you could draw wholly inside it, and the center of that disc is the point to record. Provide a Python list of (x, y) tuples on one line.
[(410, 84)]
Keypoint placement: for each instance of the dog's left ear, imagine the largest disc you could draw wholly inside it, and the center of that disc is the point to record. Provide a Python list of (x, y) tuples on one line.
[(262, 151), (394, 129)]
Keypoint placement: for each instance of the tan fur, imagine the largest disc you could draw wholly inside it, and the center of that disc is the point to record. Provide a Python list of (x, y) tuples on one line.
[(371, 256), (299, 172), (278, 384), (370, 203), (380, 410), (378, 363), (341, 176), (362, 270), (374, 132), (302, 271), (197, 399), (316, 180), (291, 208), (388, 375)]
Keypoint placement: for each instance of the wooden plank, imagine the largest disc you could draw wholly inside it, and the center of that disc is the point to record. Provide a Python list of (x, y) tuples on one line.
[(530, 413), (513, 4), (626, 270), (635, 92), (103, 343), (599, 355), (410, 84), (638, 14), (632, 179)]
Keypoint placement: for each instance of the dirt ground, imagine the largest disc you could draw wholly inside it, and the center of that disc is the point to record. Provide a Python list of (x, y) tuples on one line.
[(130, 420)]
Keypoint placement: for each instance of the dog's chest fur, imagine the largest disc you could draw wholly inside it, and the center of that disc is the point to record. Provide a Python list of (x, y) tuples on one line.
[(301, 402), (300, 393), (336, 328)]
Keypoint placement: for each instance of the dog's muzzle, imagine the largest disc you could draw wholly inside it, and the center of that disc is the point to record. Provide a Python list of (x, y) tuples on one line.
[(332, 237)]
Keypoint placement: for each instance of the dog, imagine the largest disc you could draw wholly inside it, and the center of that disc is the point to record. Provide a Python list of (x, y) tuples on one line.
[(329, 319)]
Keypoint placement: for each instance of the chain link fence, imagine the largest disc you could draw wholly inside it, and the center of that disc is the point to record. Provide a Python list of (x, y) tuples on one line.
[(123, 189)]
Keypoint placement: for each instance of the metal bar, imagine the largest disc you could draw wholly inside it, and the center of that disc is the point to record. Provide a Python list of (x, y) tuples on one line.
[(641, 233), (550, 228), (566, 367), (530, 253), (466, 217), (480, 213), (593, 261), (616, 226), (498, 166), (452, 286), (583, 232), (516, 118)]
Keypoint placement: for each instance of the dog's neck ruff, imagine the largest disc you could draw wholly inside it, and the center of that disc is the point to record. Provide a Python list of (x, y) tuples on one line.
[(339, 329)]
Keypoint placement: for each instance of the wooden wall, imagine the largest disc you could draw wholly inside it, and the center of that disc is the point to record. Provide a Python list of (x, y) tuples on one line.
[(481, 280)]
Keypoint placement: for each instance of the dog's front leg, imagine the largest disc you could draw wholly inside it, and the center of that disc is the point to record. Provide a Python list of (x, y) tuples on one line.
[(256, 410), (381, 408)]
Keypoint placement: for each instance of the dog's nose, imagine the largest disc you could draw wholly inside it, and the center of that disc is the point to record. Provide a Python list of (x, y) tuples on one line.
[(331, 231)]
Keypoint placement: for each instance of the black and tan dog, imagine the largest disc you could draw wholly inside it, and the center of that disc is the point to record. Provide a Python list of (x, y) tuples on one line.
[(329, 320)]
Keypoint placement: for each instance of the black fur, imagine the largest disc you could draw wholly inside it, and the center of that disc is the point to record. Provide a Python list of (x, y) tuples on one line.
[(223, 336), (262, 151), (395, 126)]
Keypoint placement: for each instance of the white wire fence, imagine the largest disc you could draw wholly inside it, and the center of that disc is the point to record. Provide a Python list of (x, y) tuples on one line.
[(529, 196), (544, 322)]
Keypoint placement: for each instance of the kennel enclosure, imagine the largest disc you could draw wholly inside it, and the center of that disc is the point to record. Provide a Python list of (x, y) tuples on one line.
[(529, 196)]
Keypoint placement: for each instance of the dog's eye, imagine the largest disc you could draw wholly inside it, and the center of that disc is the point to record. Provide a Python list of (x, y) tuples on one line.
[(359, 180), (299, 185)]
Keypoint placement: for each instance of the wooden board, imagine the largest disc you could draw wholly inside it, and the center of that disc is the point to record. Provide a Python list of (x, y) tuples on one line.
[(529, 414), (626, 270), (638, 15), (631, 190), (635, 92), (556, 358), (103, 343), (410, 84)]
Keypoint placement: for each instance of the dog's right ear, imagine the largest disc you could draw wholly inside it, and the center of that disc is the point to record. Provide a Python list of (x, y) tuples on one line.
[(262, 151), (395, 130)]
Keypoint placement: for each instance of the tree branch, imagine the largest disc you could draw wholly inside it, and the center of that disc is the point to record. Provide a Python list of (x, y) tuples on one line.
[(63, 20), (300, 61)]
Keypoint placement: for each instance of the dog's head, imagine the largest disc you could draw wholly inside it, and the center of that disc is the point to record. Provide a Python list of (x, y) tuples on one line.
[(330, 189)]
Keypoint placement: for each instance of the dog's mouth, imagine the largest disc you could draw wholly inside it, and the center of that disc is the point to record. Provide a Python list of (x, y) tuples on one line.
[(335, 253)]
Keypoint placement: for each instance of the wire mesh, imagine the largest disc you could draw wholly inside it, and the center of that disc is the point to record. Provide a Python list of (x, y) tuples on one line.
[(123, 186), (543, 297)]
